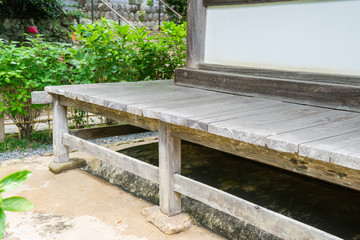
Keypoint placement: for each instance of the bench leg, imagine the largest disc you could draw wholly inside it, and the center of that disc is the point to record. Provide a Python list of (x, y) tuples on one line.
[(169, 164), (60, 126), (2, 129)]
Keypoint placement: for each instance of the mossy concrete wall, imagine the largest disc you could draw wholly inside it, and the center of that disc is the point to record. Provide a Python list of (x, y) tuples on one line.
[(53, 30)]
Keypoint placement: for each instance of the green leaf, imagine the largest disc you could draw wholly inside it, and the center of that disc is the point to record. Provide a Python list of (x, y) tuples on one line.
[(17, 204), (14, 180), (2, 223)]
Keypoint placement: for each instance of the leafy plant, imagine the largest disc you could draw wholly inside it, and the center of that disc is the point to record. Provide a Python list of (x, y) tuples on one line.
[(35, 140), (28, 67), (15, 204), (75, 13)]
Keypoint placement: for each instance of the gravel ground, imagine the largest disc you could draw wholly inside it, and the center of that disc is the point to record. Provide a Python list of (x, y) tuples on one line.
[(46, 149)]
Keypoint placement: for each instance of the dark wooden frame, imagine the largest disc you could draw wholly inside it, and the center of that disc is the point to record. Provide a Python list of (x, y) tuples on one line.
[(208, 3), (325, 90)]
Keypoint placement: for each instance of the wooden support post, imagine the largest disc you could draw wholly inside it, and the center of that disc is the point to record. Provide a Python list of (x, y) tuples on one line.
[(60, 126), (195, 33), (169, 164), (2, 129)]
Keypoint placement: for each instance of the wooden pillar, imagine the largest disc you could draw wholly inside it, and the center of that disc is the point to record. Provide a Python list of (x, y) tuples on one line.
[(60, 126), (2, 129), (195, 52), (169, 164)]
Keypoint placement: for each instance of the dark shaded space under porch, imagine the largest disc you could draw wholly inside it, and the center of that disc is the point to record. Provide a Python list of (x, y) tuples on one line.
[(325, 206)]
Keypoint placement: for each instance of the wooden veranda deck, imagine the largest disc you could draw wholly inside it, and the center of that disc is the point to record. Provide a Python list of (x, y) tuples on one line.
[(286, 135), (319, 142)]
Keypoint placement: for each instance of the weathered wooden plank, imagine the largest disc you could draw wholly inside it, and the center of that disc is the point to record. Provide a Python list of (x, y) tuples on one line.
[(176, 107), (208, 3), (282, 74), (327, 171), (271, 222), (304, 92), (322, 149), (244, 128), (107, 131), (60, 126), (142, 122), (347, 157), (115, 96), (169, 164), (251, 109), (172, 100), (41, 97), (116, 159), (195, 42), (2, 129), (290, 141)]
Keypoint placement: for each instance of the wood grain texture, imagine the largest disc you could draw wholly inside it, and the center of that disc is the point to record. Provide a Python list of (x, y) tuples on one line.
[(293, 162), (2, 129), (195, 51), (142, 122), (115, 159), (60, 126), (169, 164), (41, 97), (318, 94), (282, 74), (208, 3), (271, 222), (107, 131)]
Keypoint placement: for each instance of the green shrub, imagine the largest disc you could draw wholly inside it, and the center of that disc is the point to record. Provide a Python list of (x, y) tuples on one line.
[(105, 52), (120, 53), (30, 67), (24, 9)]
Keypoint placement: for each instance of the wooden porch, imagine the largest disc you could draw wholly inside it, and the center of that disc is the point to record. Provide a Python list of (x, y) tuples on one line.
[(315, 141)]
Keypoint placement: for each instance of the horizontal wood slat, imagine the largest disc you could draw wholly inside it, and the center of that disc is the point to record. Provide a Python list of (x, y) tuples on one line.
[(338, 96), (208, 3), (108, 131), (272, 222), (116, 159), (41, 97), (282, 74)]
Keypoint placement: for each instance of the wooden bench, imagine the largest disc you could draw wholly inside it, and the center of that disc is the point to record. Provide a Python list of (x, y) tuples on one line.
[(307, 122)]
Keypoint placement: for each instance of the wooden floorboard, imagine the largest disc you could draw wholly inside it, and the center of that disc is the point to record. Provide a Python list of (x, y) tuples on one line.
[(315, 132)]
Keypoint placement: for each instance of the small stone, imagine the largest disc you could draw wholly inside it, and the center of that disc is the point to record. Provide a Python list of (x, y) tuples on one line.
[(168, 225), (57, 168)]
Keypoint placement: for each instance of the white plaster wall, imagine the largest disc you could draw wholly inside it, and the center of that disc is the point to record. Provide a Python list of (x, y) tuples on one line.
[(315, 36)]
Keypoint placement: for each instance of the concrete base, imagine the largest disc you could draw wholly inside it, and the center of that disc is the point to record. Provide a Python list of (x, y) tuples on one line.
[(168, 225), (57, 168)]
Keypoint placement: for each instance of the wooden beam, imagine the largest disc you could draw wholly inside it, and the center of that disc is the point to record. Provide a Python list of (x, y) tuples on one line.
[(115, 159), (60, 126), (2, 129), (195, 52), (269, 221), (208, 3), (282, 74), (107, 131), (338, 96), (169, 164), (41, 97), (326, 171), (142, 122)]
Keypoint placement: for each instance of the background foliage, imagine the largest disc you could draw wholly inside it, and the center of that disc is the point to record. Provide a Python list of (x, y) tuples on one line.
[(179, 6), (30, 9), (104, 52)]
